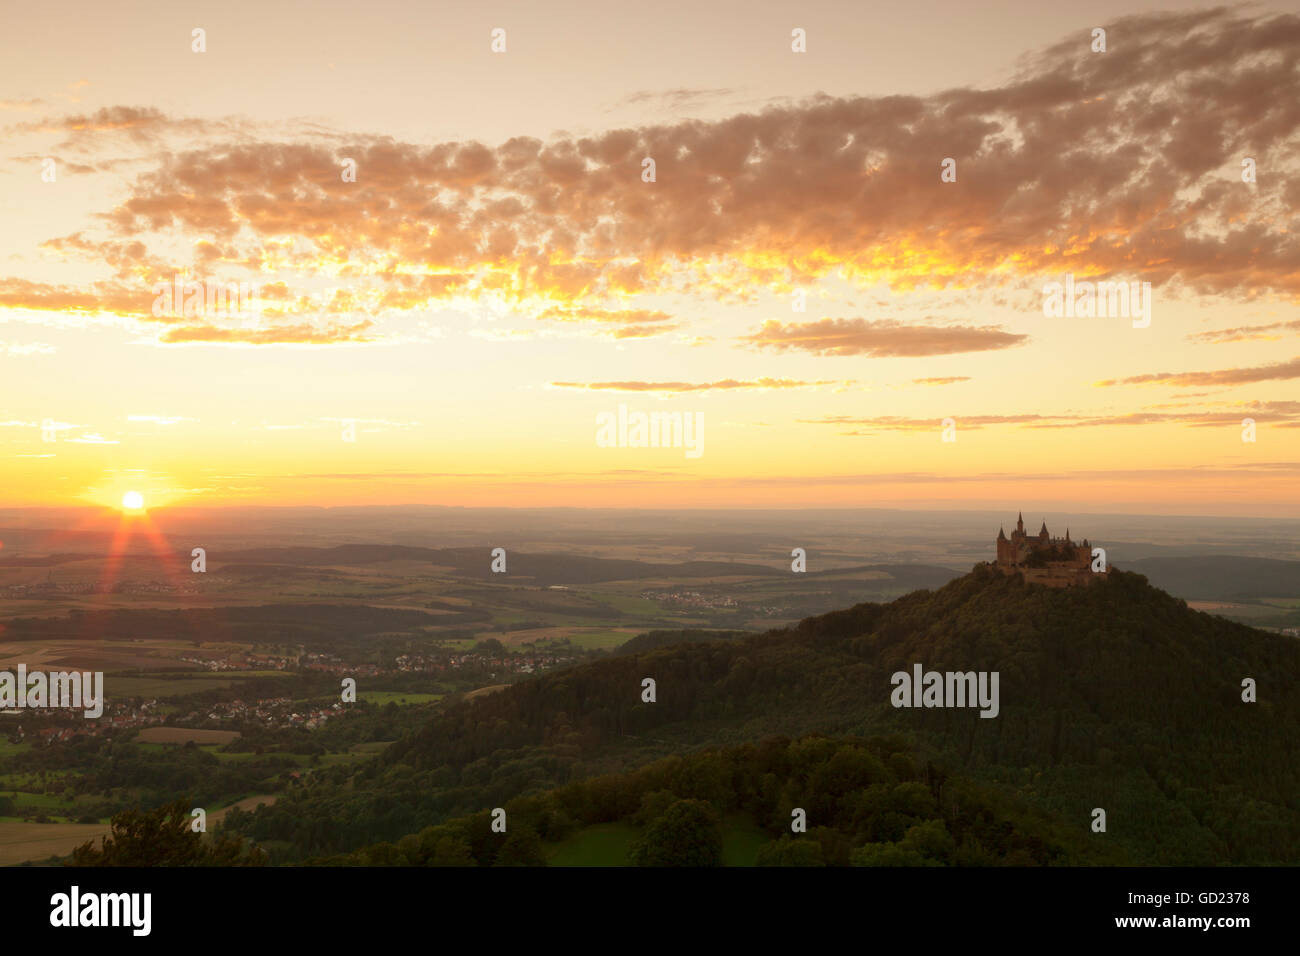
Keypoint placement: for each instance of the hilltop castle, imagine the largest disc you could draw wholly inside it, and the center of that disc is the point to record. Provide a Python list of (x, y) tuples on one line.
[(1042, 559)]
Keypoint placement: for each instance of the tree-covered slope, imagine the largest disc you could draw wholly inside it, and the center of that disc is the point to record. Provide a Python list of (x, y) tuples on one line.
[(1115, 696)]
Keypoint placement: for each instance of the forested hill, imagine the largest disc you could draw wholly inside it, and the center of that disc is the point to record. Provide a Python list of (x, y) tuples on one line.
[(1122, 660), (1115, 696)]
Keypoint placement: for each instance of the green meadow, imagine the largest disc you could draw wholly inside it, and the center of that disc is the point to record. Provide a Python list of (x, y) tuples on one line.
[(610, 844)]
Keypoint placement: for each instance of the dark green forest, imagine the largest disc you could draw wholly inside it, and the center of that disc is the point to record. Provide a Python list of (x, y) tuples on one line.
[(1115, 696), (867, 803)]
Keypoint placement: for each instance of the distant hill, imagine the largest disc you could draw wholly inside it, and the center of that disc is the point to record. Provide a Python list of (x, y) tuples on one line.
[(909, 577), (313, 625), (559, 569), (541, 569), (1115, 696), (1222, 578), (653, 640)]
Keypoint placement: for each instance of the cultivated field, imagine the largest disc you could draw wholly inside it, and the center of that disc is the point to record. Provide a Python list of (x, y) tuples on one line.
[(248, 803), (585, 637), (34, 842), (381, 698), (93, 655), (20, 842)]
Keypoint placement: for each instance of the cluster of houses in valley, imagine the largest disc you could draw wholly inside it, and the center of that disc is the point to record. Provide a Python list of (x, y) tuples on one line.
[(242, 661), (272, 712), (699, 601), (691, 599), (517, 663), (525, 662), (332, 664), (209, 664), (420, 663), (120, 716), (55, 724), (51, 588)]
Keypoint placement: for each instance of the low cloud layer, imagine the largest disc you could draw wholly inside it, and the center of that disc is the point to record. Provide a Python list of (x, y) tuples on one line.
[(879, 338), (1227, 376), (724, 385)]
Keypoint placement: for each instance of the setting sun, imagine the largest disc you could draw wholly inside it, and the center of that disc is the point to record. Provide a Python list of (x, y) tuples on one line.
[(132, 501)]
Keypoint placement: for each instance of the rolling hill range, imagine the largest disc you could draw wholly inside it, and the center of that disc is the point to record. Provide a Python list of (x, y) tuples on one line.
[(1115, 696), (540, 569), (1224, 578), (535, 568)]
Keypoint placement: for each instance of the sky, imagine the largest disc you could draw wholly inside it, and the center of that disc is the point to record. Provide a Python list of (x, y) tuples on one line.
[(840, 271)]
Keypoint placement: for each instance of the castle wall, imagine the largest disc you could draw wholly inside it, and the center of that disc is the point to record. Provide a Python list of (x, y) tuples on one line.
[(1013, 552)]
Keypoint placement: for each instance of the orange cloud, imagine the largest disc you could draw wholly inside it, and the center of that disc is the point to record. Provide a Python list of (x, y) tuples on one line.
[(879, 338), (631, 323), (277, 335), (100, 297), (582, 313), (1284, 413), (729, 384), (1245, 333), (1227, 376)]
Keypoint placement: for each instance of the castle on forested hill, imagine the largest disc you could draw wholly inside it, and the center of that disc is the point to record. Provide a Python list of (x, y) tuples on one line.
[(1042, 559)]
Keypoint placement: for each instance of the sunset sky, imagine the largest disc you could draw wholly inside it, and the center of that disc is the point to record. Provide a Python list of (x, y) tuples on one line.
[(499, 273)]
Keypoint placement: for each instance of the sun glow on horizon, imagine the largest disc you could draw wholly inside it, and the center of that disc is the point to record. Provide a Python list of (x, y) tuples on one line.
[(133, 501)]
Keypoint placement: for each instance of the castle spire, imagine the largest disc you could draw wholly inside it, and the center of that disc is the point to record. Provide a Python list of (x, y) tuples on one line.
[(1020, 523), (1002, 535)]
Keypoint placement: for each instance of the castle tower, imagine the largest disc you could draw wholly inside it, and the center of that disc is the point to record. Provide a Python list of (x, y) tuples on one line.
[(1042, 559)]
